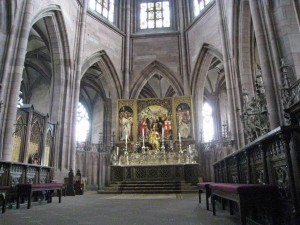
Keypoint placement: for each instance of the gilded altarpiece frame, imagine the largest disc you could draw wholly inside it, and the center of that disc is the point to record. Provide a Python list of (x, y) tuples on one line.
[(141, 116), (154, 114)]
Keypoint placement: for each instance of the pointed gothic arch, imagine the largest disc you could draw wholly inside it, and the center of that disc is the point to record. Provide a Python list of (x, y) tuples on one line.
[(107, 68), (60, 69), (199, 74), (155, 68), (106, 91)]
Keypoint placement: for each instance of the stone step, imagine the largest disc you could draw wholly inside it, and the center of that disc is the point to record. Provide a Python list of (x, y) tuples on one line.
[(145, 191), (149, 187)]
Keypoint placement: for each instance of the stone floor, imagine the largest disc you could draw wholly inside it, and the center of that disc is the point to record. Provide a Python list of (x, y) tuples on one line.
[(124, 209)]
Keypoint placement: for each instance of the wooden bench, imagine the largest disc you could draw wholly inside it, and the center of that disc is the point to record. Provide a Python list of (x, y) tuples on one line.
[(204, 187), (246, 195), (26, 190), (3, 190)]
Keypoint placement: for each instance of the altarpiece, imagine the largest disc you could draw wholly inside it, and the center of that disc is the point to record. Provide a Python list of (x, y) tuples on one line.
[(154, 131)]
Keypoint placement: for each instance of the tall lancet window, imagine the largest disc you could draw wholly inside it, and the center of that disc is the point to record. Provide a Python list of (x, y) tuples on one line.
[(208, 123), (199, 5), (83, 123), (154, 14), (104, 7)]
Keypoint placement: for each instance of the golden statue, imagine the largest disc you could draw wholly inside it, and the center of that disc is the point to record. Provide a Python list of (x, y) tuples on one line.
[(154, 138)]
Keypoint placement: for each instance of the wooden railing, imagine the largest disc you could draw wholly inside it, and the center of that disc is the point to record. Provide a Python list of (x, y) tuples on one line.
[(271, 159), (13, 173)]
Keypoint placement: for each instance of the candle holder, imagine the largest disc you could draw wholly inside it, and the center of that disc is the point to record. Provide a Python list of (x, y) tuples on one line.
[(143, 149), (143, 146), (126, 152), (163, 148), (180, 149), (188, 156)]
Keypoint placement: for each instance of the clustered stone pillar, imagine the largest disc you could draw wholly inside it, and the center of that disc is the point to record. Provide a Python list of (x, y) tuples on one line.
[(265, 64), (228, 76), (187, 89), (77, 84), (16, 77), (127, 55)]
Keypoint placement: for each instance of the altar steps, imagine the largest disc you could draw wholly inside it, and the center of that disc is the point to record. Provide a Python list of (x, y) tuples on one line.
[(149, 187)]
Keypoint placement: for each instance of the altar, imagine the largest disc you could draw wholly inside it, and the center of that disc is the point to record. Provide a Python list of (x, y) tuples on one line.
[(155, 141), (180, 172)]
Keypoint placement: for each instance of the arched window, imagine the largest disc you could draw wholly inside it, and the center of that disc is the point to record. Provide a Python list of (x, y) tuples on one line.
[(199, 5), (154, 14), (104, 7), (83, 124), (208, 123)]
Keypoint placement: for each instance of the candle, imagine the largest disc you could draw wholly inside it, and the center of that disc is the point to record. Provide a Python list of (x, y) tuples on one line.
[(117, 151), (179, 137), (126, 139), (143, 137), (190, 149), (162, 135)]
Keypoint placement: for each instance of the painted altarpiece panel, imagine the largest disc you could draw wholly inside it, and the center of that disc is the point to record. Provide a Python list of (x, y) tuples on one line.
[(125, 120), (170, 116), (183, 116)]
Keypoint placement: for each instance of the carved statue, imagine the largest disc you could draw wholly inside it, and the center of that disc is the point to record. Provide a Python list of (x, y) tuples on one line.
[(154, 138)]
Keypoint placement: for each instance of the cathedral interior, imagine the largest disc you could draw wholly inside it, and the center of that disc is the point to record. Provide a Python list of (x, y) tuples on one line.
[(128, 90)]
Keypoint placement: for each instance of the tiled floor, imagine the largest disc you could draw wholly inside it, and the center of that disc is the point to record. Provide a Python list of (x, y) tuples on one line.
[(92, 208)]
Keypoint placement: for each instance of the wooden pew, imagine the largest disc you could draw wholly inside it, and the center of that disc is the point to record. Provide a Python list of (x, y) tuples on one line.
[(246, 195), (26, 190), (204, 187)]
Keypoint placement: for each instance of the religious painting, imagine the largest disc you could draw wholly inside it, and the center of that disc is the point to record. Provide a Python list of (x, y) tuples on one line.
[(184, 118), (125, 120), (154, 121)]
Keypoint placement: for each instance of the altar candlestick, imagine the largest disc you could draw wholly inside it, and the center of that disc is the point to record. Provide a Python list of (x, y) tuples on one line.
[(143, 131), (162, 136)]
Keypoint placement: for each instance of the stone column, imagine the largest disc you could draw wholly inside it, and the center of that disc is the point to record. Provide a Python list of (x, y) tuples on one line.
[(275, 55), (7, 66), (233, 122), (265, 64), (127, 55), (184, 71), (77, 84), (15, 77)]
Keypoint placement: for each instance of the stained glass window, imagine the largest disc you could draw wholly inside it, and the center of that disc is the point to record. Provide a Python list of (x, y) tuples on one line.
[(104, 7), (199, 5), (154, 14)]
